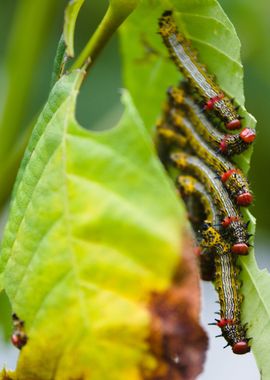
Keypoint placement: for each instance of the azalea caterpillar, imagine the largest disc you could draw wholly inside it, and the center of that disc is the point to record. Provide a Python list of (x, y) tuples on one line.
[(216, 256), (185, 58), (234, 229), (228, 288), (226, 144), (169, 136), (194, 194), (232, 178)]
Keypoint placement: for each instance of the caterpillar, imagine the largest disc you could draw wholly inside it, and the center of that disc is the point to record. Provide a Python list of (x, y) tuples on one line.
[(193, 192), (232, 178), (226, 272), (170, 137), (19, 338), (165, 140), (225, 144), (234, 228), (228, 288), (190, 187), (185, 58)]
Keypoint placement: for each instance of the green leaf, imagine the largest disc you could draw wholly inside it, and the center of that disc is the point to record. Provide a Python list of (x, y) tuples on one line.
[(256, 309), (148, 72), (93, 230), (71, 14), (59, 61)]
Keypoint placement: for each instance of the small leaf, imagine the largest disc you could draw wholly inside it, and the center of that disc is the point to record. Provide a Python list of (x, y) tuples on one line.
[(93, 231), (71, 14), (59, 61)]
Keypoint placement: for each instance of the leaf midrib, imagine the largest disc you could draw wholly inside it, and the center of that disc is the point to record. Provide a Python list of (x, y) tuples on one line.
[(66, 215)]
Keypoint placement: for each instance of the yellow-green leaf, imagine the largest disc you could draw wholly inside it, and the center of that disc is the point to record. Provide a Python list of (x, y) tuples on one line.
[(93, 230)]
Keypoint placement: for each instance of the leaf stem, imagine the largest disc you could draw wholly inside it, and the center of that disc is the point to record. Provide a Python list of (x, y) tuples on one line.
[(117, 12)]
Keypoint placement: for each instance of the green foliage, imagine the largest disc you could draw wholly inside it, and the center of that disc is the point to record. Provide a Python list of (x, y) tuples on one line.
[(20, 65), (93, 230), (256, 309), (29, 15), (59, 61)]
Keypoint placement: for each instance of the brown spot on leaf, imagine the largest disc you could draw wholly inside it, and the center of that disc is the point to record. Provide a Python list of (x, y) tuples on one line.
[(177, 340)]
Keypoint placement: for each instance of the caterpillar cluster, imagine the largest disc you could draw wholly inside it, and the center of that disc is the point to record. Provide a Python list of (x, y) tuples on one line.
[(191, 138)]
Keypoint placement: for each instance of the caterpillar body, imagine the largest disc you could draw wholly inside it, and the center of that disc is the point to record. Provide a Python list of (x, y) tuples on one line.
[(228, 145), (226, 271), (234, 227), (232, 178), (228, 288), (185, 58), (193, 192)]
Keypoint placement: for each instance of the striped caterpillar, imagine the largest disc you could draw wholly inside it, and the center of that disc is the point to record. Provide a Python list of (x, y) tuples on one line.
[(185, 58), (232, 178), (226, 273), (226, 144), (234, 229), (194, 193)]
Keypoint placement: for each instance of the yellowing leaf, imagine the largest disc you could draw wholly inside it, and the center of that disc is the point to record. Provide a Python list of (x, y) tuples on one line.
[(93, 230)]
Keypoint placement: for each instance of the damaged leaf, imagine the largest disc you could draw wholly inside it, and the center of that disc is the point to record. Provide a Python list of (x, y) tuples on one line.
[(94, 230)]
